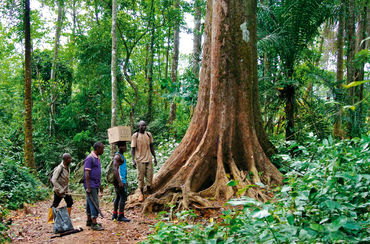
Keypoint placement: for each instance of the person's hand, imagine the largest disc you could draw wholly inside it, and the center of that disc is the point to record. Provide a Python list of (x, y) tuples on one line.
[(134, 163), (155, 161), (88, 190), (120, 185)]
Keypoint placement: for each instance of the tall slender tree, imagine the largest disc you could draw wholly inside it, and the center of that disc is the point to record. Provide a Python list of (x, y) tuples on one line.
[(350, 27), (151, 63), (28, 141), (54, 94), (197, 37), (358, 91), (114, 64), (337, 129), (175, 59)]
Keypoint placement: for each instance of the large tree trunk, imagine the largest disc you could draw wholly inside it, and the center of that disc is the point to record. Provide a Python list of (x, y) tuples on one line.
[(175, 61), (221, 142), (28, 142), (114, 64), (337, 130)]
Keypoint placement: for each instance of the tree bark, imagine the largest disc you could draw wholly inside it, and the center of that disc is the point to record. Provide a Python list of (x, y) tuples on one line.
[(221, 142), (28, 141), (167, 53), (337, 129), (114, 64), (358, 91), (289, 91), (167, 64), (351, 50), (96, 12), (150, 68), (197, 38), (175, 61), (150, 78)]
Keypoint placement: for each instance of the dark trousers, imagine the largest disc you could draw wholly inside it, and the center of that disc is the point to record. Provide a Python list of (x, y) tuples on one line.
[(121, 197), (68, 199)]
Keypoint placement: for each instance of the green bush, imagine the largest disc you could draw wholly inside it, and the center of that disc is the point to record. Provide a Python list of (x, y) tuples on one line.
[(325, 199), (17, 186)]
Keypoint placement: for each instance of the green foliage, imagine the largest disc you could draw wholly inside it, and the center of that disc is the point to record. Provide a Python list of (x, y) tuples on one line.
[(4, 225), (17, 186), (325, 199)]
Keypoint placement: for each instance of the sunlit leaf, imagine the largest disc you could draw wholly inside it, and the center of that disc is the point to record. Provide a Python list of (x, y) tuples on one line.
[(355, 83)]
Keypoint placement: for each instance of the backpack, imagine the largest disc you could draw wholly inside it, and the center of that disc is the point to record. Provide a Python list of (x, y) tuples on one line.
[(79, 171), (109, 171), (62, 221), (137, 134), (52, 173)]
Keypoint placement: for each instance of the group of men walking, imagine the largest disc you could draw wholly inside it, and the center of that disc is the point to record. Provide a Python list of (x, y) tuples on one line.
[(142, 151)]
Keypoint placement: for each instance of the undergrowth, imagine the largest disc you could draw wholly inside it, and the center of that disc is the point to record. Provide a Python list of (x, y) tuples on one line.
[(17, 186), (325, 199)]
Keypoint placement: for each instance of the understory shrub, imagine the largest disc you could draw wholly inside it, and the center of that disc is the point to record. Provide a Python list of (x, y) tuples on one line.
[(17, 186), (325, 199)]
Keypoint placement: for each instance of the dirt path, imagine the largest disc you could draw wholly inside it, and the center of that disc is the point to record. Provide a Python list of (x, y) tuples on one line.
[(30, 226)]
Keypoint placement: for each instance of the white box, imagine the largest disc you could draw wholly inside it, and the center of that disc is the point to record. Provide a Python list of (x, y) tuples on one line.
[(119, 133)]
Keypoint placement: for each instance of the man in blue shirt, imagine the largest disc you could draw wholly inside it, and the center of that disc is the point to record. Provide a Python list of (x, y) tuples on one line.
[(120, 182)]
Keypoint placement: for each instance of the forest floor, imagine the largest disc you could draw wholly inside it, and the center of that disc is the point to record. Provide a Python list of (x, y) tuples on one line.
[(30, 225)]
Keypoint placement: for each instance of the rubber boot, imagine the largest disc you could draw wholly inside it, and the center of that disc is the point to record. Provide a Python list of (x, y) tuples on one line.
[(69, 211), (122, 218), (50, 216)]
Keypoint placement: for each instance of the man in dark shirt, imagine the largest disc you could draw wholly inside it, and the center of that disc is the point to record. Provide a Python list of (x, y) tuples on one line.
[(92, 183)]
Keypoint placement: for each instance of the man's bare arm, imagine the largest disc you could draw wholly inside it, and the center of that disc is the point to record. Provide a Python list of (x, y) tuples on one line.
[(116, 164)]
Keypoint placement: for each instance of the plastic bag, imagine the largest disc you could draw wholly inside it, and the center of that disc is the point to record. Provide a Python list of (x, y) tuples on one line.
[(62, 221)]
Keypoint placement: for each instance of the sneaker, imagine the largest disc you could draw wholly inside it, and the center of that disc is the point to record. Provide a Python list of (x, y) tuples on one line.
[(97, 227), (114, 216), (88, 222), (122, 218)]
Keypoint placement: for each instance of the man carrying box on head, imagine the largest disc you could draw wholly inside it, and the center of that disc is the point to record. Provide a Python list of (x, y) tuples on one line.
[(142, 150), (120, 183)]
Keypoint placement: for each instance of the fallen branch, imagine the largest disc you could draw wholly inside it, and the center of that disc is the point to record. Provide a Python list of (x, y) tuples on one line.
[(68, 232)]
